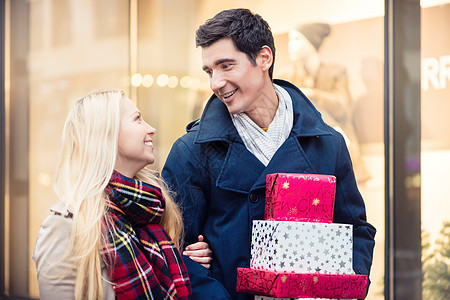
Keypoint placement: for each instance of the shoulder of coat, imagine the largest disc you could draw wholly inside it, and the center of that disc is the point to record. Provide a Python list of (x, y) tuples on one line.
[(192, 126), (60, 209)]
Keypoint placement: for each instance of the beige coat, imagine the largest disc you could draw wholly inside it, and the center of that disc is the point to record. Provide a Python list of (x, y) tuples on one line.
[(56, 278)]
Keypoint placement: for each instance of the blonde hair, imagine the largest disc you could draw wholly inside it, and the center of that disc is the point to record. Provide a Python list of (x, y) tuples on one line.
[(86, 162)]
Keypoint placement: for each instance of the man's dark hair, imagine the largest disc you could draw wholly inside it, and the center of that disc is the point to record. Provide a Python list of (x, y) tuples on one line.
[(248, 31)]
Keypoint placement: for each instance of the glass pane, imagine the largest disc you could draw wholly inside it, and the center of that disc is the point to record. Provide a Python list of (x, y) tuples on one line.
[(69, 47), (435, 52), (348, 91)]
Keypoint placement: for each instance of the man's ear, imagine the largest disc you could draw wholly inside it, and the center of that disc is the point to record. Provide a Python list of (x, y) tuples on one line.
[(265, 56)]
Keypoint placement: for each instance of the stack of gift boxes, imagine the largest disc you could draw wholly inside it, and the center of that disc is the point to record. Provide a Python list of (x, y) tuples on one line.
[(297, 252)]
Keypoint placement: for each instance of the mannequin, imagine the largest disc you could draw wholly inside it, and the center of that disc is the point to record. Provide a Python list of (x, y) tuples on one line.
[(325, 85)]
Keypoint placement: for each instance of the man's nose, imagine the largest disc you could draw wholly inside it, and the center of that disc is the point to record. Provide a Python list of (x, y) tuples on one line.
[(217, 82)]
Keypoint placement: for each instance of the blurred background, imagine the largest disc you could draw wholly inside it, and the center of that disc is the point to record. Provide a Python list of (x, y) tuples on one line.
[(56, 51)]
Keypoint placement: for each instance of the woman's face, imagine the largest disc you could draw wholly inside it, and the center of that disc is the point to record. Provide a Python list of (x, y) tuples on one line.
[(135, 145)]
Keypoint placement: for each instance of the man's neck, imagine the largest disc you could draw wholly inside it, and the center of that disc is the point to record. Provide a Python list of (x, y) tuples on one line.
[(264, 113)]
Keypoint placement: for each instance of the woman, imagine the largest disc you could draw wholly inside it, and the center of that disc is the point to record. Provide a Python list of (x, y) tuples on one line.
[(116, 231)]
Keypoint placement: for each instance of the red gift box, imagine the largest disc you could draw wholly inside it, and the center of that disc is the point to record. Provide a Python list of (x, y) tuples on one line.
[(301, 285), (300, 197)]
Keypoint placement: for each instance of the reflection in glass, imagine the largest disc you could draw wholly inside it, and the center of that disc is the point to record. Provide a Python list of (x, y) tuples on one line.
[(326, 85), (76, 46), (435, 148)]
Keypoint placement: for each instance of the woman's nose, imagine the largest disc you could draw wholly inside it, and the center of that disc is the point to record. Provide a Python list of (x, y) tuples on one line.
[(150, 129)]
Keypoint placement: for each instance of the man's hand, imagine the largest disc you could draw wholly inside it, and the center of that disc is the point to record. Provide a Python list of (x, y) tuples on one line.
[(199, 252)]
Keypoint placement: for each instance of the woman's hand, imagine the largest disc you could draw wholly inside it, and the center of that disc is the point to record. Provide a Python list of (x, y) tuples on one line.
[(199, 252)]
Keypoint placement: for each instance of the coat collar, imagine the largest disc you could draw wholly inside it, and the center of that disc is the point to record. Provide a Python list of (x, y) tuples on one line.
[(216, 124), (243, 172)]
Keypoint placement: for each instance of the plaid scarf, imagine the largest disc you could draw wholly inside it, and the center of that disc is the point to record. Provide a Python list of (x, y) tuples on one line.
[(148, 264)]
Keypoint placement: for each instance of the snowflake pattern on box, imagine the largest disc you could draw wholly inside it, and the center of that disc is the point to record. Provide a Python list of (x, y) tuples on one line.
[(302, 247)]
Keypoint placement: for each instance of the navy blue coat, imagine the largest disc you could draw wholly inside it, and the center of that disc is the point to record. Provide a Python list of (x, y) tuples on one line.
[(220, 187)]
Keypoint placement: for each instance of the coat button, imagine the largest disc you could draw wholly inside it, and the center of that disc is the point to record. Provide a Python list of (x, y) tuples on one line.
[(253, 198)]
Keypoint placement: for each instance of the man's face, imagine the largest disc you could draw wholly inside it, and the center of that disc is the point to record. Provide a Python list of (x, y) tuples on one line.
[(237, 82)]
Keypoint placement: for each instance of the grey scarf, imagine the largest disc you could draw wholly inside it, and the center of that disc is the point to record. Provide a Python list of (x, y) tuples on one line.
[(264, 144)]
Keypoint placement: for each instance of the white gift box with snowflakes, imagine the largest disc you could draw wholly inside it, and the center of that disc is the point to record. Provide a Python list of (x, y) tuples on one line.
[(302, 247)]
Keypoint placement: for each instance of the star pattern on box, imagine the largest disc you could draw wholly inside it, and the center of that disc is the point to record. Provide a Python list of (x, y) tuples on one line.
[(297, 247)]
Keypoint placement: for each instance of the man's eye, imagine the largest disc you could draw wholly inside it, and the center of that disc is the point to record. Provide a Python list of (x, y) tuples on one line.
[(226, 66)]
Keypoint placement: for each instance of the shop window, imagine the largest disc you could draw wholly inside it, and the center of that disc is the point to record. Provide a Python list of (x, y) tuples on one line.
[(435, 159), (86, 45)]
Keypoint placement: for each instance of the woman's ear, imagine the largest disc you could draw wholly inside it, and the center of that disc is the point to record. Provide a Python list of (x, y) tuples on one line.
[(265, 56)]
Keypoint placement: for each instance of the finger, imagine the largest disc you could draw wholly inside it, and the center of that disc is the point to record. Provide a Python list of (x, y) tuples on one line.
[(197, 246), (206, 265), (193, 255), (202, 245), (202, 260), (200, 238), (198, 253), (194, 246)]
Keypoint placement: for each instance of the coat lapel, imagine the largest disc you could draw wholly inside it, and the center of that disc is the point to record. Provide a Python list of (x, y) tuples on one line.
[(239, 170), (241, 167), (289, 158)]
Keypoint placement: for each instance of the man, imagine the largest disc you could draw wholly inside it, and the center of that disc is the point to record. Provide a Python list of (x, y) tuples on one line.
[(251, 127)]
